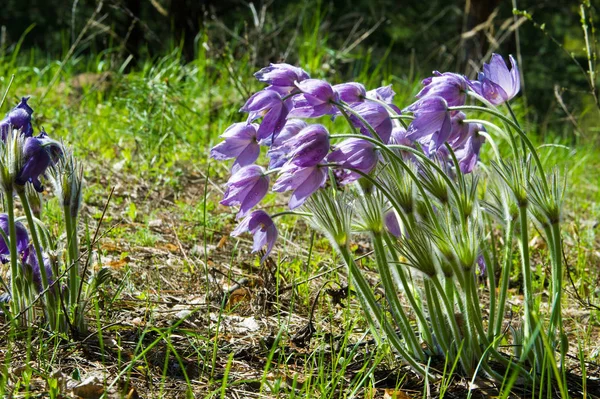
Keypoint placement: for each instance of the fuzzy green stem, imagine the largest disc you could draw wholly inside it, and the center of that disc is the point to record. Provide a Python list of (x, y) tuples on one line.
[(531, 327), (293, 213), (409, 295), (391, 295), (557, 281), (73, 282), (514, 117), (506, 269), (371, 306), (436, 316), (457, 335)]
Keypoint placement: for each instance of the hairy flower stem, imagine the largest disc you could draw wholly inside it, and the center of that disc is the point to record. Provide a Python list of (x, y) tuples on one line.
[(51, 308), (388, 284), (370, 305), (557, 280), (465, 358), (530, 324), (436, 316), (473, 309), (514, 117), (73, 284), (505, 276), (409, 295)]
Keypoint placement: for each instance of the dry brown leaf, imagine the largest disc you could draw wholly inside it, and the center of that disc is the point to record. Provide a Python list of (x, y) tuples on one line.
[(117, 264), (238, 296), (109, 247), (90, 388), (222, 242), (168, 247)]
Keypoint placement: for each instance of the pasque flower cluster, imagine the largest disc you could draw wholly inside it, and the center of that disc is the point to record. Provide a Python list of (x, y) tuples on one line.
[(301, 154), (25, 159)]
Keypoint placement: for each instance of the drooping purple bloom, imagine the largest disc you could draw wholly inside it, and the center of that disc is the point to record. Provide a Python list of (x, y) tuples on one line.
[(309, 146), (399, 136), (385, 94), (496, 83), (240, 143), (39, 153), (351, 92), (353, 153), (318, 99), (451, 87), (269, 105), (259, 224), (282, 75), (303, 180), (246, 188), (432, 124), (468, 153), (281, 146), (18, 118), (30, 264), (481, 266), (22, 237), (460, 130), (376, 116), (391, 223)]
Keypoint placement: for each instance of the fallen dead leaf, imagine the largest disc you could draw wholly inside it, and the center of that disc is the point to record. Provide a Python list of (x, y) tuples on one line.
[(222, 242), (117, 264), (90, 388), (168, 247)]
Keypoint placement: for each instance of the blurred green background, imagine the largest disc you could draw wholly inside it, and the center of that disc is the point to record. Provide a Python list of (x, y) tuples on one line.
[(407, 38)]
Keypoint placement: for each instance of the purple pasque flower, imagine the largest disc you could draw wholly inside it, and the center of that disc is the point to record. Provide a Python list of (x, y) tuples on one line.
[(282, 75), (496, 83), (30, 264), (240, 143), (452, 87), (481, 266), (317, 99), (281, 146), (391, 223), (269, 105), (22, 237), (461, 131), (246, 188), (260, 224), (351, 92), (385, 94), (468, 153), (39, 153), (399, 136), (353, 153), (309, 146), (376, 116), (18, 118), (303, 180), (432, 125)]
